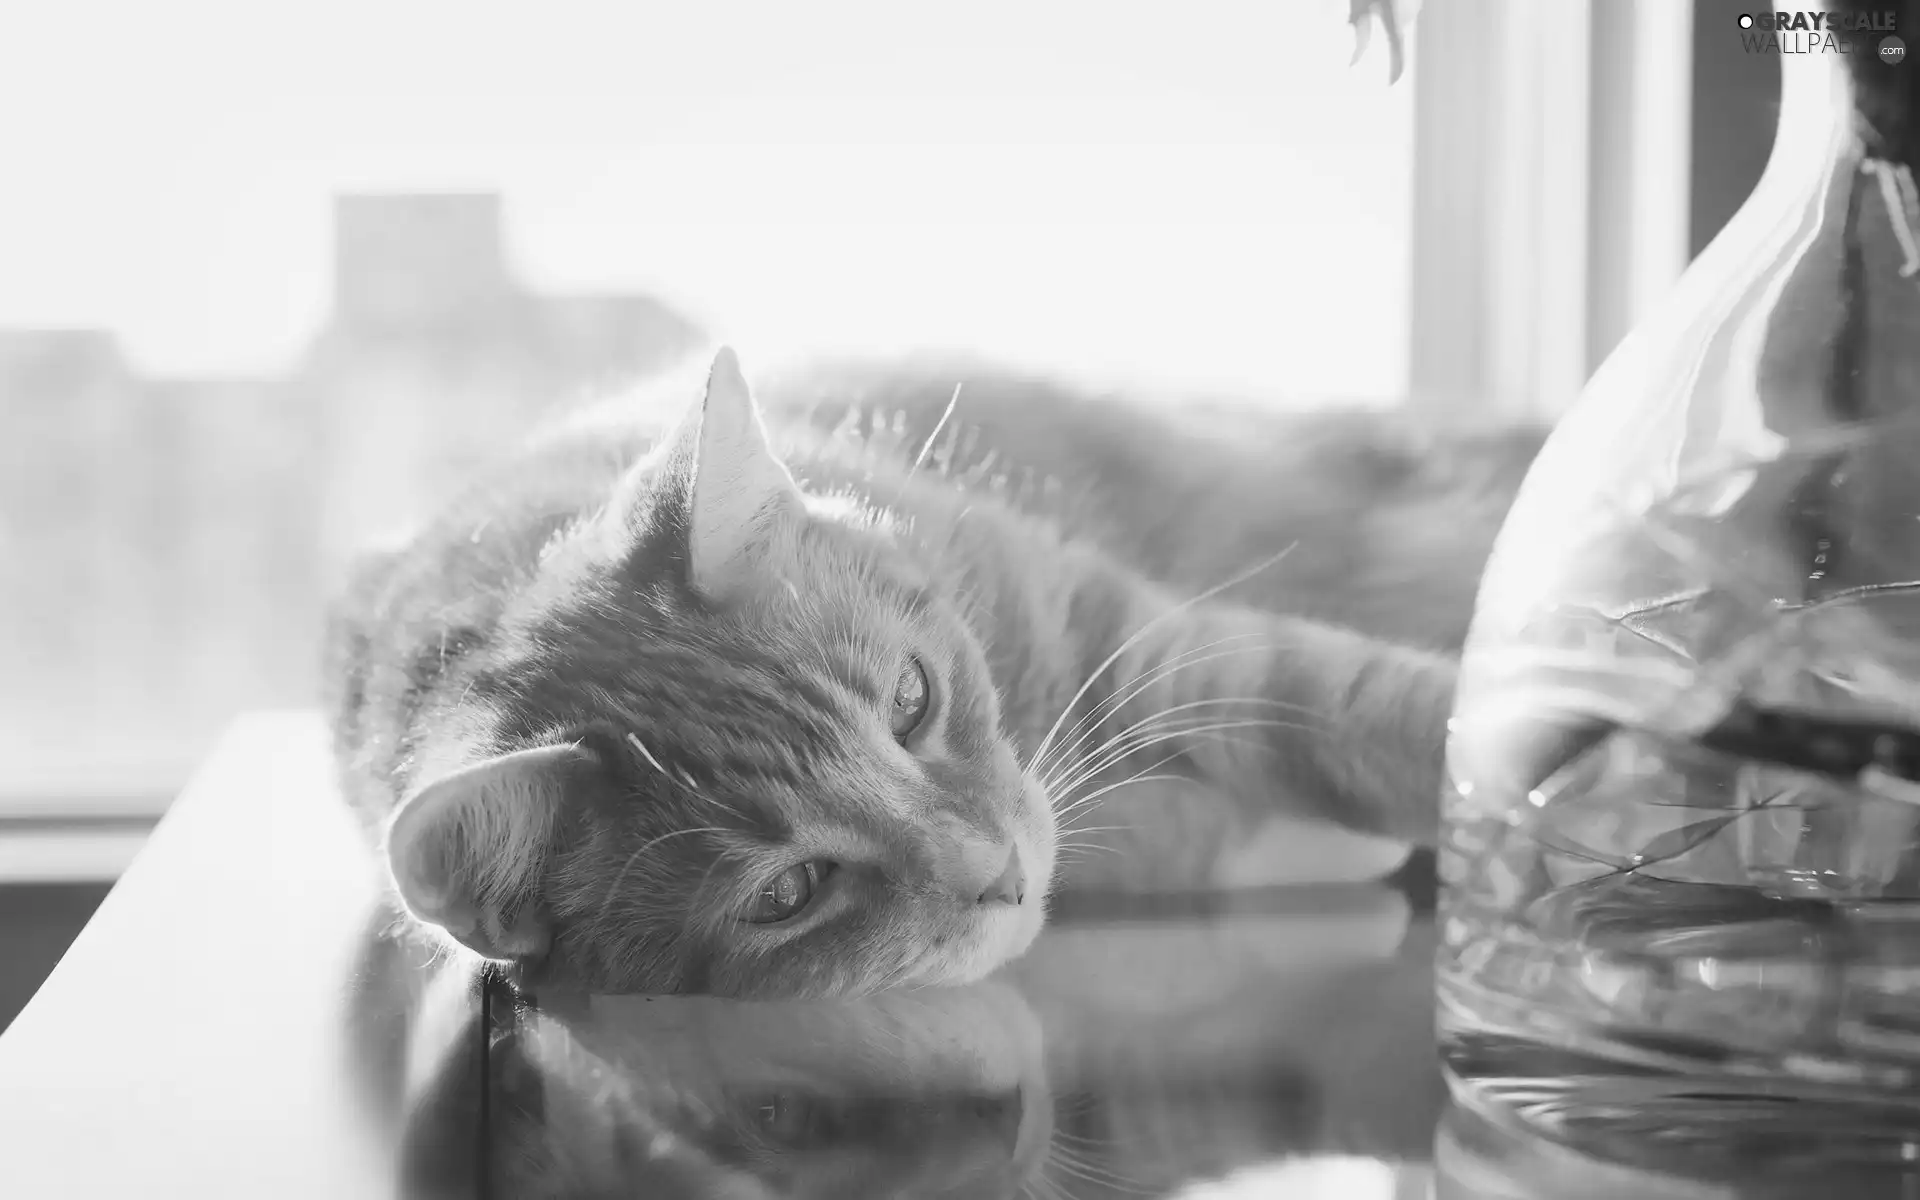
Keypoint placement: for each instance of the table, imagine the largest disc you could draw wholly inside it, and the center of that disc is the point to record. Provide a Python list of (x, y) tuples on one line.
[(220, 1027), (239, 1020)]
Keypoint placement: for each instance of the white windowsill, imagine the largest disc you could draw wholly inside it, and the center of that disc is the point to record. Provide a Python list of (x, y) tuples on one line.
[(91, 837), (67, 856)]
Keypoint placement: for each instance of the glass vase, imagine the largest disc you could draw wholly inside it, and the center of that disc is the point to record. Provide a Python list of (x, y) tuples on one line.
[(1680, 870)]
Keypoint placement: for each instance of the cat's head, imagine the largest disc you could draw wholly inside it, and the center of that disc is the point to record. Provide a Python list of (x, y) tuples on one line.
[(729, 738)]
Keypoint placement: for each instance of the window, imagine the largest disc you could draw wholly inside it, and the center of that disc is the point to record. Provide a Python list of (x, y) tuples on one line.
[(273, 283), (315, 272)]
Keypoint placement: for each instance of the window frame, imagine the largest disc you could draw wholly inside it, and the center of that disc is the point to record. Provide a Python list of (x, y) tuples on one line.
[(1552, 146)]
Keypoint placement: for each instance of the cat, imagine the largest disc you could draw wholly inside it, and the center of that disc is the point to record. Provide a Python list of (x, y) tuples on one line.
[(812, 694)]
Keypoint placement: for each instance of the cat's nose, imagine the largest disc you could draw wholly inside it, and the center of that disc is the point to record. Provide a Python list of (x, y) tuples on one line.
[(1010, 887)]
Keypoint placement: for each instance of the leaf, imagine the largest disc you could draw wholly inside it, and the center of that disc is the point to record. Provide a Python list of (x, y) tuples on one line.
[(1573, 849), (1361, 15), (1675, 842)]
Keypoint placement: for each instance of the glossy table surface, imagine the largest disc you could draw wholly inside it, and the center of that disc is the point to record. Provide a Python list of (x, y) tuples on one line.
[(238, 1020)]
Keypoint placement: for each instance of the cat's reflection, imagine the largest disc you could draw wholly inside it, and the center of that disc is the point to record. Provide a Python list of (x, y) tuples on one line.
[(938, 1093), (416, 1037), (1126, 1056)]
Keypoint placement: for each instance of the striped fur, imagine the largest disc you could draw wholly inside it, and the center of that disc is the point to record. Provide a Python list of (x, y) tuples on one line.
[(1022, 540)]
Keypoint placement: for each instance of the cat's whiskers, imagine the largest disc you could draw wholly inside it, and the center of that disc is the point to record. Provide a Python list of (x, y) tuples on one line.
[(902, 975), (1086, 802), (1080, 1165), (1154, 732), (707, 874), (1149, 720), (1066, 849), (1153, 622), (634, 740), (926, 449), (1104, 1182), (1092, 1144), (1071, 804), (621, 875), (1100, 829), (1040, 1186), (1132, 688), (1136, 686), (1068, 852), (1096, 770), (1066, 775), (1147, 774), (1081, 1150)]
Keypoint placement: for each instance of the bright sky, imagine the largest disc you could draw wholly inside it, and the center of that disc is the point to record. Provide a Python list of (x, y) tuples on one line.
[(1196, 189)]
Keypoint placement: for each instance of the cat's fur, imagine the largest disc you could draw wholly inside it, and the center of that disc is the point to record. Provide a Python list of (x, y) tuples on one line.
[(597, 702)]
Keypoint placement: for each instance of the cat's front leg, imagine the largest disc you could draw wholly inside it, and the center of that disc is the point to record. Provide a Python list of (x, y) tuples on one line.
[(1322, 722), (1356, 724)]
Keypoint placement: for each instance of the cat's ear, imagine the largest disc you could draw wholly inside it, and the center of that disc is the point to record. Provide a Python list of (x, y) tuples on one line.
[(466, 851), (740, 493)]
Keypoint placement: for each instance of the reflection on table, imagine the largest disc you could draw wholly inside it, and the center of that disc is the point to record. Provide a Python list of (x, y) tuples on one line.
[(1280, 1044)]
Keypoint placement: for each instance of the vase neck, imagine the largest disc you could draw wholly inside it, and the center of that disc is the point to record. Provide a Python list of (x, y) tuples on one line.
[(1840, 97)]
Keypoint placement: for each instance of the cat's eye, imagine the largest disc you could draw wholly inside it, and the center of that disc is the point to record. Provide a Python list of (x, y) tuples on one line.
[(794, 1119), (788, 893), (909, 699)]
